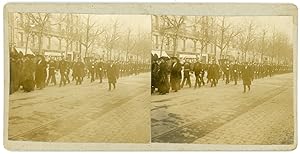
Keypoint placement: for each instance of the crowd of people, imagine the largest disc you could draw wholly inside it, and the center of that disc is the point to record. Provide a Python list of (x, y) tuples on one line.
[(173, 74), (29, 72)]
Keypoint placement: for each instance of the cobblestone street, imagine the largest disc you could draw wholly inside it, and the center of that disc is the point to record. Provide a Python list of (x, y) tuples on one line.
[(226, 115), (83, 113)]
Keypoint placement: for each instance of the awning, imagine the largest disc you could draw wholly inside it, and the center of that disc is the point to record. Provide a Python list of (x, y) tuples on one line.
[(187, 56), (23, 50), (163, 53), (56, 54)]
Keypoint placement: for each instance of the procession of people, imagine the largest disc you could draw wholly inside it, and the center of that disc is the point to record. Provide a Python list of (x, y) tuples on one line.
[(29, 72), (173, 74)]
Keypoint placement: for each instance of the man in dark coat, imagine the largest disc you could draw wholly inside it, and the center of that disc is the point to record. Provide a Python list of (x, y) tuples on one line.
[(28, 69), (51, 71), (213, 72), (13, 72), (226, 72), (154, 74), (175, 77), (235, 72), (100, 68), (63, 71), (111, 75), (78, 69), (40, 72), (186, 73), (92, 70), (246, 76), (198, 73), (163, 85)]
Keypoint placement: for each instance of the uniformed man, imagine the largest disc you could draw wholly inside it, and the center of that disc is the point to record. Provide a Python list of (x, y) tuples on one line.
[(214, 73), (51, 71), (78, 71), (235, 72), (198, 73), (92, 70), (111, 75), (100, 68), (226, 72), (246, 76), (62, 66), (186, 73)]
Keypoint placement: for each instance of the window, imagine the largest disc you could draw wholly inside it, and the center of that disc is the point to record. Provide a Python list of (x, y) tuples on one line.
[(49, 43), (156, 41), (32, 41), (183, 44), (168, 43), (59, 27), (20, 38), (156, 22), (76, 46), (59, 44)]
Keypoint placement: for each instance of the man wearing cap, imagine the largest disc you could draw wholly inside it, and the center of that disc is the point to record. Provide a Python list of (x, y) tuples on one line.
[(62, 66), (186, 74), (197, 71)]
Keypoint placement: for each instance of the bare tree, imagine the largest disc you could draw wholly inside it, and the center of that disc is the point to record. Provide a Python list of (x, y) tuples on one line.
[(201, 30), (90, 33), (246, 39), (41, 21), (129, 43), (69, 34), (262, 44), (28, 27), (170, 26), (143, 46), (224, 35), (111, 36)]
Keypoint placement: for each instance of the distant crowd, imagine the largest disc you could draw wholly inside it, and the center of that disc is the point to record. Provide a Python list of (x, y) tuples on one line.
[(173, 74), (30, 72)]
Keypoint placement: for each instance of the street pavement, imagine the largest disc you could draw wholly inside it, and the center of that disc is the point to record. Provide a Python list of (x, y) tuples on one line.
[(83, 113), (226, 115)]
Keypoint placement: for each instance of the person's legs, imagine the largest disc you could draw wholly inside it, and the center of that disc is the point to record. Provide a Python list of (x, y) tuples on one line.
[(49, 78), (100, 76), (189, 81), (197, 82), (183, 81), (109, 86)]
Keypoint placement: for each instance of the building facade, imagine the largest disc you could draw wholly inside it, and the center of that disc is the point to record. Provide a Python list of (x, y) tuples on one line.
[(52, 39)]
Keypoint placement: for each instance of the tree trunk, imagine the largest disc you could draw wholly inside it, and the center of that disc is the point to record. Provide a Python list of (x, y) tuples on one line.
[(175, 46), (161, 45), (26, 47), (40, 43)]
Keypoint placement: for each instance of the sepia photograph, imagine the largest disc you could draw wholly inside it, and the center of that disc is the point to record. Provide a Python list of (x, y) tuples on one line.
[(150, 76), (79, 77), (222, 80)]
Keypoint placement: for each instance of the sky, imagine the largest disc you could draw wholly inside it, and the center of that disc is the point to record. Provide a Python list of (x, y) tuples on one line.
[(136, 23), (283, 24)]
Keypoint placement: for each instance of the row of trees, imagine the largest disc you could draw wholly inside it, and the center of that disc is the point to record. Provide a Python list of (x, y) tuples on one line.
[(224, 34), (88, 32)]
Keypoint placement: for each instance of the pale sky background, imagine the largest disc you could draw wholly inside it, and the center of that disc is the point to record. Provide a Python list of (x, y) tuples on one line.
[(282, 24), (136, 23)]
